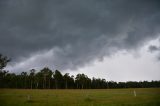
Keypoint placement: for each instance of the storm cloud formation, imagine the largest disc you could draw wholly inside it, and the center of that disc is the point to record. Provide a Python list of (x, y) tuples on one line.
[(67, 34)]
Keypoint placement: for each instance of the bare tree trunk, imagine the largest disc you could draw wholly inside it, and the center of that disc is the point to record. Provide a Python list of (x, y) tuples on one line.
[(25, 83), (37, 84), (49, 84), (31, 84), (77, 85), (66, 85), (82, 86), (43, 83), (56, 84)]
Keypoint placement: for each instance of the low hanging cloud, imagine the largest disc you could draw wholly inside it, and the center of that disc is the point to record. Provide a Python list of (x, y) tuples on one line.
[(70, 34), (154, 48)]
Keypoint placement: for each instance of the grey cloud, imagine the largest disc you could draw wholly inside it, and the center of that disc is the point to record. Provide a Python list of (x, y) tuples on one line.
[(81, 30), (154, 48)]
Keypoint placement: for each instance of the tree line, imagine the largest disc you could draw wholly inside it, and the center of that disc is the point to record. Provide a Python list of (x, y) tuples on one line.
[(48, 79)]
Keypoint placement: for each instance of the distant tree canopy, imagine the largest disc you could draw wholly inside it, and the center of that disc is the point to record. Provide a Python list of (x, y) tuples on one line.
[(48, 79), (3, 61)]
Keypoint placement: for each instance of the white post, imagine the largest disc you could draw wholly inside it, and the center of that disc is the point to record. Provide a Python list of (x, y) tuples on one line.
[(134, 93), (28, 97)]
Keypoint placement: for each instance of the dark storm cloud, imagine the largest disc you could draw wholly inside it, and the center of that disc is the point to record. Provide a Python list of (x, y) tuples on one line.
[(80, 30)]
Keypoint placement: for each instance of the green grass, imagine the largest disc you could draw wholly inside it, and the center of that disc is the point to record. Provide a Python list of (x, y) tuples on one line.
[(96, 97)]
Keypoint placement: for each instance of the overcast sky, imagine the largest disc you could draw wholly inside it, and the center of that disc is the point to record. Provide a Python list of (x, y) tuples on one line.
[(113, 39)]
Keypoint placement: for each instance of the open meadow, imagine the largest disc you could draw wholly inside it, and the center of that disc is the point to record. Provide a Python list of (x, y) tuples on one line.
[(86, 97)]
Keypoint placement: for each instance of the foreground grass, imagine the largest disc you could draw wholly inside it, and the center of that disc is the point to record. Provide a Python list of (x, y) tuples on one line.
[(96, 97)]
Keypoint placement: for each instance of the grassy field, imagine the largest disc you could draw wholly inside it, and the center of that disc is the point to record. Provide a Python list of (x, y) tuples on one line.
[(96, 97)]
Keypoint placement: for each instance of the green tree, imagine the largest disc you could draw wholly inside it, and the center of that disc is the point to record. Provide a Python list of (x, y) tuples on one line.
[(81, 80), (3, 63), (68, 81), (31, 76), (47, 76), (24, 78), (58, 79)]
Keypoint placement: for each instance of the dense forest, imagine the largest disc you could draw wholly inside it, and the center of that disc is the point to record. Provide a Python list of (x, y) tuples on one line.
[(48, 79)]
